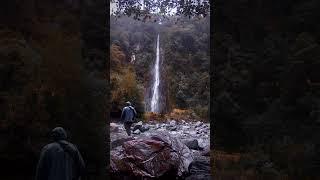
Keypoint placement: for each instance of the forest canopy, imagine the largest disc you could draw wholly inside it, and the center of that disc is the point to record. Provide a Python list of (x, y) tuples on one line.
[(145, 9)]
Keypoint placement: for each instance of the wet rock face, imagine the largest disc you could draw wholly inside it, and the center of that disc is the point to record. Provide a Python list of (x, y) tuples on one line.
[(138, 127), (152, 156), (119, 142), (193, 144), (199, 169), (137, 131), (186, 131), (114, 127), (158, 149)]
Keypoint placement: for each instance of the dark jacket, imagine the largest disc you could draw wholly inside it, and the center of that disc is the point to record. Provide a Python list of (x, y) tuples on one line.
[(128, 114), (60, 160)]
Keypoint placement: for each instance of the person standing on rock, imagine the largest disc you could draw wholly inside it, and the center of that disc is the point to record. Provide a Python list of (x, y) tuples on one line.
[(127, 117), (60, 160)]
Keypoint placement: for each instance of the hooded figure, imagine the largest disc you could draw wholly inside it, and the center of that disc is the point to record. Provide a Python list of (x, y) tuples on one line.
[(60, 160), (127, 117)]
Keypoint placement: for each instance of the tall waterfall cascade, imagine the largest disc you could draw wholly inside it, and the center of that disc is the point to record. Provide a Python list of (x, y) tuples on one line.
[(156, 82)]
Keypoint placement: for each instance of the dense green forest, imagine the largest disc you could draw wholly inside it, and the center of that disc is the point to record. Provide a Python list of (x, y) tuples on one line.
[(185, 57)]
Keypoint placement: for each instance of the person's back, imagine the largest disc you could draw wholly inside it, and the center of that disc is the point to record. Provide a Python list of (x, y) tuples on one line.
[(60, 160), (127, 116)]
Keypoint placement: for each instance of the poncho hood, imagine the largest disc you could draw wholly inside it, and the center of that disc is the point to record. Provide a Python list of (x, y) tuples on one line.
[(58, 134)]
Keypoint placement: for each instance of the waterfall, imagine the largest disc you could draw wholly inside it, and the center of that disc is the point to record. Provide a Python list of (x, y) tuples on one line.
[(156, 82)]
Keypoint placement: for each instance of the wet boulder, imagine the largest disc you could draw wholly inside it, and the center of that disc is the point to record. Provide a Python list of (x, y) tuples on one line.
[(198, 124), (137, 126), (114, 127), (151, 156), (144, 128), (137, 131), (173, 123), (172, 128), (193, 144), (119, 142), (200, 169), (140, 127)]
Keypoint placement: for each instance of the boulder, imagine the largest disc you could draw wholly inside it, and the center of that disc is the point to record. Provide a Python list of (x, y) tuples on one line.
[(200, 169), (151, 156), (204, 143), (185, 127), (119, 142), (173, 123), (137, 126), (114, 127), (191, 132), (140, 127), (137, 131), (198, 124), (172, 128), (144, 128), (193, 144)]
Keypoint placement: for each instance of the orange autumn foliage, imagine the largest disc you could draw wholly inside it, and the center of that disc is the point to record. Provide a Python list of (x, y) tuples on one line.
[(124, 85)]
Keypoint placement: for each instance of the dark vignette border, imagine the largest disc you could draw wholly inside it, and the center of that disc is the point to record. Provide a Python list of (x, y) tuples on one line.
[(95, 50)]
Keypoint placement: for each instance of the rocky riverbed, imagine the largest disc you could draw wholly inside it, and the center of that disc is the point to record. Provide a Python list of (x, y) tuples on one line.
[(186, 145)]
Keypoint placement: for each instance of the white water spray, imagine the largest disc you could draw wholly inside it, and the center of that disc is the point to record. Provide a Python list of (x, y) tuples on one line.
[(155, 94)]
